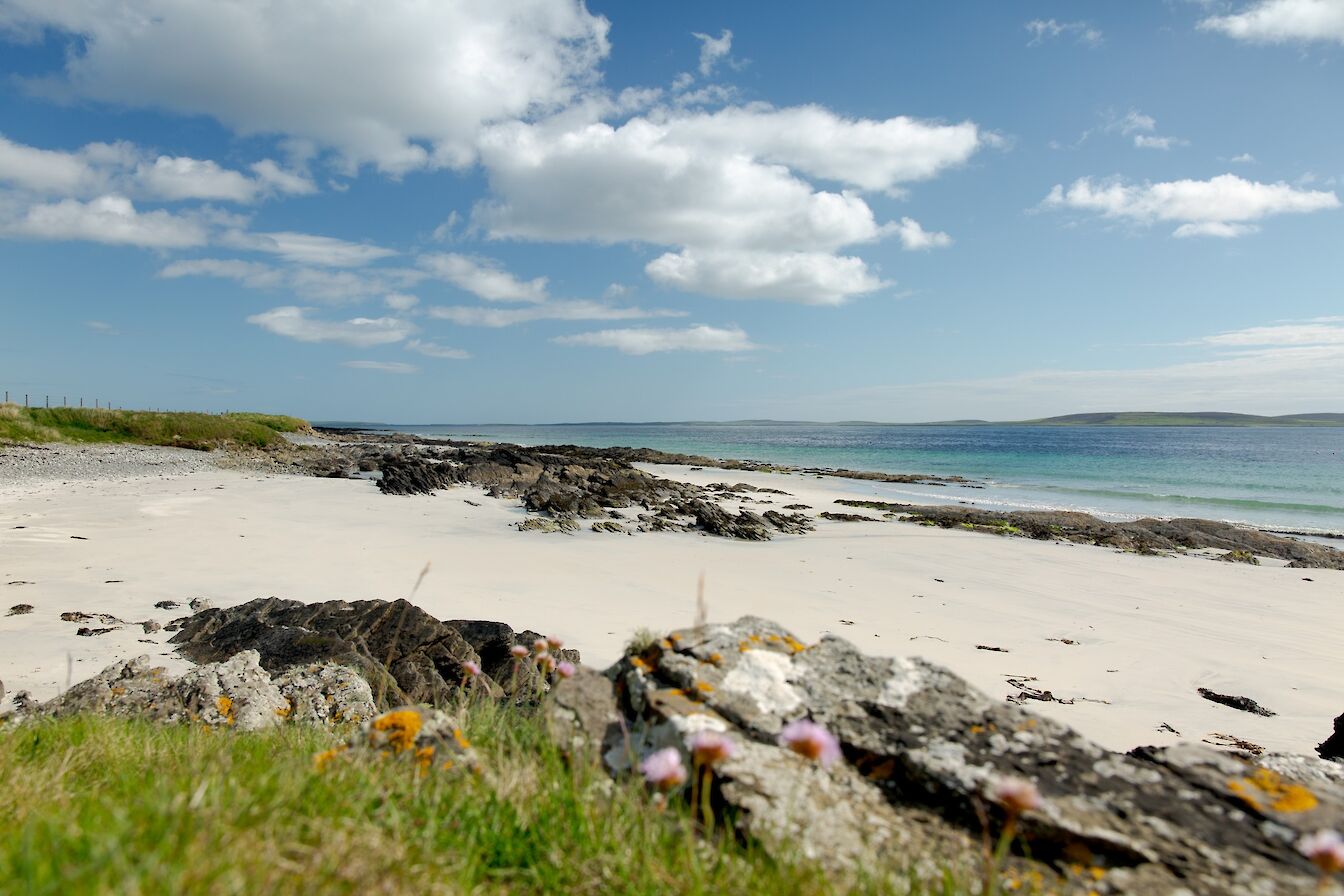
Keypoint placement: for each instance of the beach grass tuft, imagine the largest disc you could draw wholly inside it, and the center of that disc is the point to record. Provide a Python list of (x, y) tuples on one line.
[(101, 805), (182, 429)]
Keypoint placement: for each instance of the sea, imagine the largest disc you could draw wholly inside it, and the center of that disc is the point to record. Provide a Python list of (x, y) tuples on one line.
[(1271, 477)]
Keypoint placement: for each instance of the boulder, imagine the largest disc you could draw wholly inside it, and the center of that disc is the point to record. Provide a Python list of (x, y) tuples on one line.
[(922, 752), (1333, 746)]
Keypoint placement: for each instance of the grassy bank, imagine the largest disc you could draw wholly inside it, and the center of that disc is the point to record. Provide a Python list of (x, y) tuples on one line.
[(99, 805), (178, 428)]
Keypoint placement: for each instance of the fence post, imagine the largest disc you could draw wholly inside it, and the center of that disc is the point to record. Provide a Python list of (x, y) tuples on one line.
[(25, 399), (47, 401)]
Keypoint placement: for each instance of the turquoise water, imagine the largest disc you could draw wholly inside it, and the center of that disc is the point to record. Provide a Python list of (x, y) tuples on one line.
[(1274, 476)]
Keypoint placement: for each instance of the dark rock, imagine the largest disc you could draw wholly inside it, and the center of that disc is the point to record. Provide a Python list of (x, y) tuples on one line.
[(198, 604), (1333, 746), (1245, 704), (150, 626), (167, 605), (789, 523), (20, 610), (846, 517), (104, 618), (921, 750)]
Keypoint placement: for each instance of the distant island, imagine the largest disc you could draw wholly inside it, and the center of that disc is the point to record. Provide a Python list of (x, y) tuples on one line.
[(1190, 418)]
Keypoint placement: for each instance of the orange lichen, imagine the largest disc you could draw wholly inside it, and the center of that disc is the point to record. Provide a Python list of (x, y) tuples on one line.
[(285, 712), (704, 687), (794, 644), (715, 658), (400, 728), (327, 757), (674, 637), (424, 757), (639, 664), (1265, 788), (461, 739), (743, 646), (665, 644), (225, 707)]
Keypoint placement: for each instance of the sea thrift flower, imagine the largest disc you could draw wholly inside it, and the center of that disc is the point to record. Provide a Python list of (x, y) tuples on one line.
[(545, 661), (565, 670), (663, 769), (554, 643), (809, 739), (709, 747), (518, 651), (472, 669), (539, 645), (1015, 795), (1325, 849)]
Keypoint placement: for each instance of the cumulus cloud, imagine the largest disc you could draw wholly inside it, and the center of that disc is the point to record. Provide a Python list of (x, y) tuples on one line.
[(478, 316), (108, 219), (400, 84), (812, 278), (295, 323), (1223, 206), (382, 366), (915, 238), (483, 277), (307, 248), (400, 301), (640, 341), (1043, 30), (434, 350), (712, 50), (122, 168), (1280, 21)]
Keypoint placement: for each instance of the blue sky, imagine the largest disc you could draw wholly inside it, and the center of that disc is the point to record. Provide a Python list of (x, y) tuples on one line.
[(537, 210)]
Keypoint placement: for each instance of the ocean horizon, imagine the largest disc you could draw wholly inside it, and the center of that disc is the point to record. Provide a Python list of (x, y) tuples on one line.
[(1271, 477)]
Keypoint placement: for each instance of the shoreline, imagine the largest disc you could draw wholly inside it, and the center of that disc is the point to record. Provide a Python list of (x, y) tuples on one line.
[(1015, 616)]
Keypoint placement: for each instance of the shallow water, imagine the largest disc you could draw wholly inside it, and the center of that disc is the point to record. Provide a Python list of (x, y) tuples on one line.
[(1272, 476)]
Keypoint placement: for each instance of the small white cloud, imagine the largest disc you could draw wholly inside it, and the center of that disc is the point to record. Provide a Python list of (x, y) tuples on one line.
[(101, 326), (615, 291), (1223, 206), (1043, 30), (1243, 159), (437, 351), (382, 366), (322, 284), (271, 175), (178, 177), (812, 278), (307, 248), (483, 277), (646, 341), (444, 232), (915, 238), (712, 50), (1280, 21), (478, 316), (400, 301), (294, 323), (1148, 141), (108, 219)]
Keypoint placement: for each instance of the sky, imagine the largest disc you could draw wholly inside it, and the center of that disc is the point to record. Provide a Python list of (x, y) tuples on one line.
[(476, 211)]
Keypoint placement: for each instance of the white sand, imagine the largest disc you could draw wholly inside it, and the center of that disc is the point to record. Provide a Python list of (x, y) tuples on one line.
[(1149, 630)]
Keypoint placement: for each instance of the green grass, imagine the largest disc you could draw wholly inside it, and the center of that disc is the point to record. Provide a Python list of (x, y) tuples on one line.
[(179, 428), (101, 805)]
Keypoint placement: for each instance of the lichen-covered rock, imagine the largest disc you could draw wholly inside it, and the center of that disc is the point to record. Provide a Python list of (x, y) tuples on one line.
[(430, 739), (325, 694), (923, 750), (1333, 746)]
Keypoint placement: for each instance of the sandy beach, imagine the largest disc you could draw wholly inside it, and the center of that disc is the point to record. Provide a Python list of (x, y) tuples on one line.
[(1127, 639)]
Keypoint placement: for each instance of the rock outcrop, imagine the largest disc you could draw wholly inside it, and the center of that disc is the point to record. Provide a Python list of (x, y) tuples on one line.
[(405, 654), (236, 693), (1333, 746), (923, 749)]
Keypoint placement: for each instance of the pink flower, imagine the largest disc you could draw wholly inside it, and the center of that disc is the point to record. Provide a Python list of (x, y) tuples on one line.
[(663, 769), (1015, 795), (545, 661), (1325, 849), (554, 643), (809, 739), (565, 669), (539, 645), (471, 668), (518, 651), (709, 747)]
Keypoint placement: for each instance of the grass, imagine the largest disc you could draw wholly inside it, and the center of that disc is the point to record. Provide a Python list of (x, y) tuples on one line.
[(101, 805), (179, 428)]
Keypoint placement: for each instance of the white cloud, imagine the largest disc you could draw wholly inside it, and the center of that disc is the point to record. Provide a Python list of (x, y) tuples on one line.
[(312, 283), (1243, 159), (646, 341), (1043, 30), (813, 278), (307, 248), (102, 326), (434, 350), (401, 84), (400, 301), (1223, 206), (382, 366), (483, 277), (915, 238), (478, 316), (294, 323), (1312, 333), (121, 168), (713, 49), (1278, 21), (1149, 141), (108, 219)]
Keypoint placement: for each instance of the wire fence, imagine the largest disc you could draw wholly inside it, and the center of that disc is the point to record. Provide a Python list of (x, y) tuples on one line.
[(34, 400)]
